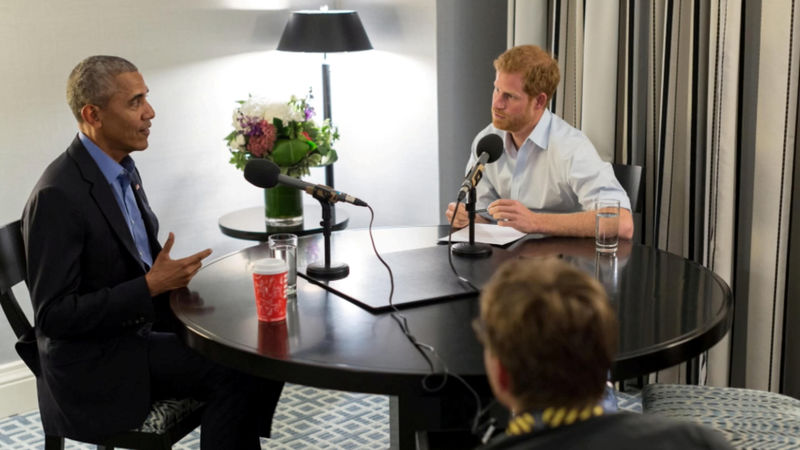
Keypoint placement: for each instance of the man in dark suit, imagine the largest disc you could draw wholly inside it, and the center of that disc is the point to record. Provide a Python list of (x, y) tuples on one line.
[(99, 283), (549, 337)]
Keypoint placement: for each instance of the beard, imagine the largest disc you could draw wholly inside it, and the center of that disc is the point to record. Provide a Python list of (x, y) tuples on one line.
[(511, 123)]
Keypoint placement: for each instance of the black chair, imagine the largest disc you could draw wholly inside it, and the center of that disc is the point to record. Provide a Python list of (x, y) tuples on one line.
[(630, 177), (169, 420)]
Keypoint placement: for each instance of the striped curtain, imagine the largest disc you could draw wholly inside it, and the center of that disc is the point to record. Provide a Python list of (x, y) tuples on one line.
[(768, 101), (705, 98)]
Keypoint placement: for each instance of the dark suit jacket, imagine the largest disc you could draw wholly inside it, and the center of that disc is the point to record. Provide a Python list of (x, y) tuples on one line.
[(91, 302), (620, 431)]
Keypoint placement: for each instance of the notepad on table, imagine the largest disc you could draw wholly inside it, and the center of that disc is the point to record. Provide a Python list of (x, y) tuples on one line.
[(487, 234)]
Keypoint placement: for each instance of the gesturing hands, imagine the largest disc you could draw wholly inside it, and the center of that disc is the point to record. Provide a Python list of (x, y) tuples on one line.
[(511, 213), (168, 274), (462, 219)]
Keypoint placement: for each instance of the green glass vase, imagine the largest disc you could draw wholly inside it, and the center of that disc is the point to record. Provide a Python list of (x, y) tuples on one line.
[(283, 206)]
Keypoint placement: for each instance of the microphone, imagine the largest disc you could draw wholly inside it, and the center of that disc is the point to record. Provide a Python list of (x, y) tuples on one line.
[(489, 149), (266, 174)]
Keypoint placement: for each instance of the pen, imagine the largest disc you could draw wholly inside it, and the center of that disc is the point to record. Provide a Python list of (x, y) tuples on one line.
[(484, 210)]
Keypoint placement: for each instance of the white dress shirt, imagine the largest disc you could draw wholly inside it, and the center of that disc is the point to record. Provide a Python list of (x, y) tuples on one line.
[(557, 169)]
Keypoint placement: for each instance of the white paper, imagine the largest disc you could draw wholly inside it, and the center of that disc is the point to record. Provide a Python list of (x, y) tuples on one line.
[(487, 234)]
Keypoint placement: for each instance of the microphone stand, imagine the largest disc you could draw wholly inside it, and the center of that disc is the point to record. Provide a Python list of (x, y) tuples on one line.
[(328, 271), (471, 249)]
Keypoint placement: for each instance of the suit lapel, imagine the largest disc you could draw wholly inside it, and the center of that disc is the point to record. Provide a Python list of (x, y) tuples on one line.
[(104, 198)]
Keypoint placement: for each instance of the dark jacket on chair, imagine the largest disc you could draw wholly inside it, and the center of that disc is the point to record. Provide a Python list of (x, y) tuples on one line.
[(91, 302)]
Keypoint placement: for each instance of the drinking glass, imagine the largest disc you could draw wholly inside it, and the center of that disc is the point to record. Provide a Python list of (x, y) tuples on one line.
[(284, 246), (606, 228)]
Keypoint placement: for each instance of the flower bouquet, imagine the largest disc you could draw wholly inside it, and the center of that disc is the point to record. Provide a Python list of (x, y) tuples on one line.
[(286, 134)]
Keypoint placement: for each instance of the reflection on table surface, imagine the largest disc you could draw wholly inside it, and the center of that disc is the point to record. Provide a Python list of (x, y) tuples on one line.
[(250, 223), (670, 310)]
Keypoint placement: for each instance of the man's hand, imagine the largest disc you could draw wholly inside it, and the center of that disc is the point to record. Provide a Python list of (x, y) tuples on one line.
[(511, 213), (461, 218), (168, 274)]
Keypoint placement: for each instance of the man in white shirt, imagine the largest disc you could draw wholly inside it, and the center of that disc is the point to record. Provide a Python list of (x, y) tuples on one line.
[(550, 174)]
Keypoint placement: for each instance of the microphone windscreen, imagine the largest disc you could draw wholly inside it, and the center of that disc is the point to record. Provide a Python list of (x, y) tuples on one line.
[(262, 173), (491, 144)]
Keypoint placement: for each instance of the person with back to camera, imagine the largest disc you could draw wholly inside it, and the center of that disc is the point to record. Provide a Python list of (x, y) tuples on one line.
[(100, 283), (549, 175), (549, 337)]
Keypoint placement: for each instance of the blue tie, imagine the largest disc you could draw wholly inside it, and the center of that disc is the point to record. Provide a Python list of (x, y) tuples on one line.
[(134, 218)]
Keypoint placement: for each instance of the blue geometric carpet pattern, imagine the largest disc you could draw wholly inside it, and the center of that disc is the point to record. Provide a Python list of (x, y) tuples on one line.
[(306, 418)]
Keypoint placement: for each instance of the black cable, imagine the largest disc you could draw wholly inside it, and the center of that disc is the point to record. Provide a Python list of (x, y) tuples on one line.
[(396, 315), (422, 347), (450, 252)]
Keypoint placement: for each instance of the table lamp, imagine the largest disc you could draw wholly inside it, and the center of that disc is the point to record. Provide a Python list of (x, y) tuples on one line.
[(324, 31)]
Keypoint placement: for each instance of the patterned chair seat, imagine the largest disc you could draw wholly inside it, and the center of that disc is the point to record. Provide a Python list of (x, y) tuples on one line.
[(164, 414), (748, 418)]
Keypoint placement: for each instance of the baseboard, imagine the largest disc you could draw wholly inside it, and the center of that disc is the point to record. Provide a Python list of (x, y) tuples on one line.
[(17, 389)]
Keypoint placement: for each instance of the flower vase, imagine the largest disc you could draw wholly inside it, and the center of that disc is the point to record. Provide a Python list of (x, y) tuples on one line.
[(283, 206)]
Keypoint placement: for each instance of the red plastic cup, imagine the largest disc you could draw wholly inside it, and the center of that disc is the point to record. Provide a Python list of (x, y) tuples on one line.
[(269, 284)]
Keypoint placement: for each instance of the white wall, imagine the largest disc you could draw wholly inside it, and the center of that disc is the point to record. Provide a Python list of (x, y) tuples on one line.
[(198, 57)]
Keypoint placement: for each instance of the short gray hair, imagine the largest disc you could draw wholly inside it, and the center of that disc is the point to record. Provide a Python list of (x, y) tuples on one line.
[(91, 82)]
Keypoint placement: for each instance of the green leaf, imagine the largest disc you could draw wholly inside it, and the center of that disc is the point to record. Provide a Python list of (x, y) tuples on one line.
[(329, 158), (238, 159), (289, 152), (231, 136), (280, 130), (314, 159)]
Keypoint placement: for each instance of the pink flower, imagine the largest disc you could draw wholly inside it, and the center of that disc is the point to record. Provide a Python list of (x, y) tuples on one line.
[(270, 133), (263, 140), (257, 145)]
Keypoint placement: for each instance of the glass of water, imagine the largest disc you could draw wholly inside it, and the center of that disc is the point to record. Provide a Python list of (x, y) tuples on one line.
[(606, 225), (284, 246)]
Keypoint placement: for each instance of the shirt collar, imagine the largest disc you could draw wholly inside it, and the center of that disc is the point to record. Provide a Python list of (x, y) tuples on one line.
[(540, 136), (541, 133), (111, 169)]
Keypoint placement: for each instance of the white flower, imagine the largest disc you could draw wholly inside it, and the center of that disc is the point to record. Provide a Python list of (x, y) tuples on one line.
[(236, 125), (239, 143), (281, 111), (255, 107)]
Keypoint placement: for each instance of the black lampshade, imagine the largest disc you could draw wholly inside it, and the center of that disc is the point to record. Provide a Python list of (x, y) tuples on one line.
[(324, 32)]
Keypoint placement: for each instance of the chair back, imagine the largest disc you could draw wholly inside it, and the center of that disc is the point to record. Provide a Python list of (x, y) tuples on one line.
[(630, 177), (12, 272)]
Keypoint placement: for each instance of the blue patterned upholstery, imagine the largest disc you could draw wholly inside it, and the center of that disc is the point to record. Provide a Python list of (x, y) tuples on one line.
[(164, 414), (748, 418)]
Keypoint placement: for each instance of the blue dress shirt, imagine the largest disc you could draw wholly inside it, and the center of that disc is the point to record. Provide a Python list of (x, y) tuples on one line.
[(557, 169), (119, 177)]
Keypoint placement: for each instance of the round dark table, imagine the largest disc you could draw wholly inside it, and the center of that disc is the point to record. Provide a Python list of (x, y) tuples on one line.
[(249, 223), (670, 310)]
